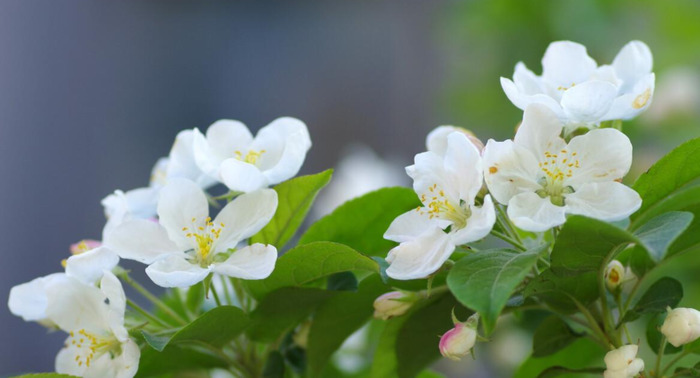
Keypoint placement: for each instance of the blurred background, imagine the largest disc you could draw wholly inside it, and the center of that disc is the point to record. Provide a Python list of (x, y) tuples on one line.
[(93, 92)]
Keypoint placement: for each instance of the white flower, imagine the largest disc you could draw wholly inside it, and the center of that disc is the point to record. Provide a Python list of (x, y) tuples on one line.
[(682, 325), (581, 93), (623, 362), (447, 182), (542, 178), (186, 245), (231, 155), (99, 344)]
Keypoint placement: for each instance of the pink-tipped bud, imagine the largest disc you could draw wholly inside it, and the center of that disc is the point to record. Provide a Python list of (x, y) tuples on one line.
[(84, 246), (394, 303), (682, 325), (458, 342), (614, 275)]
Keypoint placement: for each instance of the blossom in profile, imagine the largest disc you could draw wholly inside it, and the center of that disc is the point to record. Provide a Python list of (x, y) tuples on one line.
[(230, 154), (682, 326), (459, 341), (542, 178), (623, 362), (185, 245), (447, 180), (581, 93)]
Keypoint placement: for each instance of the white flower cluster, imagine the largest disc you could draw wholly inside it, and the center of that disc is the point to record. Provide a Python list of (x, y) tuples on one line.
[(543, 173), (167, 226)]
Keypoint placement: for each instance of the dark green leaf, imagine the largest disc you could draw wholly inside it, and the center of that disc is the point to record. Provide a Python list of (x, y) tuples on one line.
[(175, 359), (360, 223), (282, 310), (343, 281), (558, 291), (195, 297), (666, 292), (580, 354), (295, 198), (274, 366), (484, 281), (556, 371), (658, 233), (654, 335), (45, 375), (309, 262), (552, 335)]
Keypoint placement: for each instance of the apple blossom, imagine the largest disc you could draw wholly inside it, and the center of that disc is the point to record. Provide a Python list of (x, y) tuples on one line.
[(581, 93), (230, 154), (623, 362), (542, 178), (682, 325), (186, 245), (458, 342), (98, 344), (447, 180)]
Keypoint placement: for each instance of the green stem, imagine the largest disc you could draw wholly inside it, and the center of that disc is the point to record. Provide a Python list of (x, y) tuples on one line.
[(508, 239), (227, 293), (216, 295), (659, 355), (148, 295), (673, 361), (507, 225), (145, 313), (605, 340)]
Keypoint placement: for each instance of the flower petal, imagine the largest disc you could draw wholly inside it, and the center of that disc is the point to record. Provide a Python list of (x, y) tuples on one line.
[(141, 240), (182, 208), (65, 361), (479, 223), (633, 62), (113, 290), (89, 266), (296, 143), (240, 176), (526, 81), (608, 201), (631, 104), (588, 102), (181, 161), (254, 262), (509, 169), (243, 217), (227, 136), (566, 63), (539, 132), (29, 300), (409, 226), (531, 213), (73, 305), (420, 257), (123, 365), (604, 155), (463, 162), (522, 100), (175, 271)]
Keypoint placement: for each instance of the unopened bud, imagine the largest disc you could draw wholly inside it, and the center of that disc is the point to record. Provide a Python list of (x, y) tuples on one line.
[(682, 325), (623, 362), (614, 275), (394, 303), (458, 342)]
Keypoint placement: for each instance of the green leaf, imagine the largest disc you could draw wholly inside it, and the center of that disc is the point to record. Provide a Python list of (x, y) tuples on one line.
[(309, 262), (274, 366), (360, 223), (658, 233), (580, 354), (215, 327), (282, 310), (195, 297), (584, 243), (45, 375), (654, 335), (558, 371), (484, 281), (666, 292), (558, 291), (295, 198), (666, 177), (339, 317), (343, 281), (552, 335), (175, 359)]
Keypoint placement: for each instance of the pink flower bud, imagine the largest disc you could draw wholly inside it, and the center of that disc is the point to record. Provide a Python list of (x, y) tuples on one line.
[(394, 303), (682, 325), (457, 342)]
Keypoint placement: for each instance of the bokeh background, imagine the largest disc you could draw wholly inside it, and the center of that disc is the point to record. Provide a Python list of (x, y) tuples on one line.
[(93, 92)]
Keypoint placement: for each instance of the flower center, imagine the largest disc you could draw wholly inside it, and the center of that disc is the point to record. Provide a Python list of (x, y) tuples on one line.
[(203, 237), (81, 247), (439, 206), (251, 157), (89, 346), (557, 167)]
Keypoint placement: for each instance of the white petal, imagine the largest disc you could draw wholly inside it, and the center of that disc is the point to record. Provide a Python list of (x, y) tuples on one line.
[(182, 208), (254, 262), (479, 223), (141, 240), (509, 169), (296, 143), (588, 102), (436, 141), (29, 300), (566, 63), (226, 136), (409, 226), (539, 131), (116, 208), (240, 176), (176, 271), (608, 201), (89, 266), (420, 257), (526, 81), (531, 213), (463, 162), (429, 171), (629, 105), (181, 161), (633, 62), (522, 100), (123, 365), (73, 305), (243, 217), (142, 202), (65, 361), (604, 155), (112, 289)]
